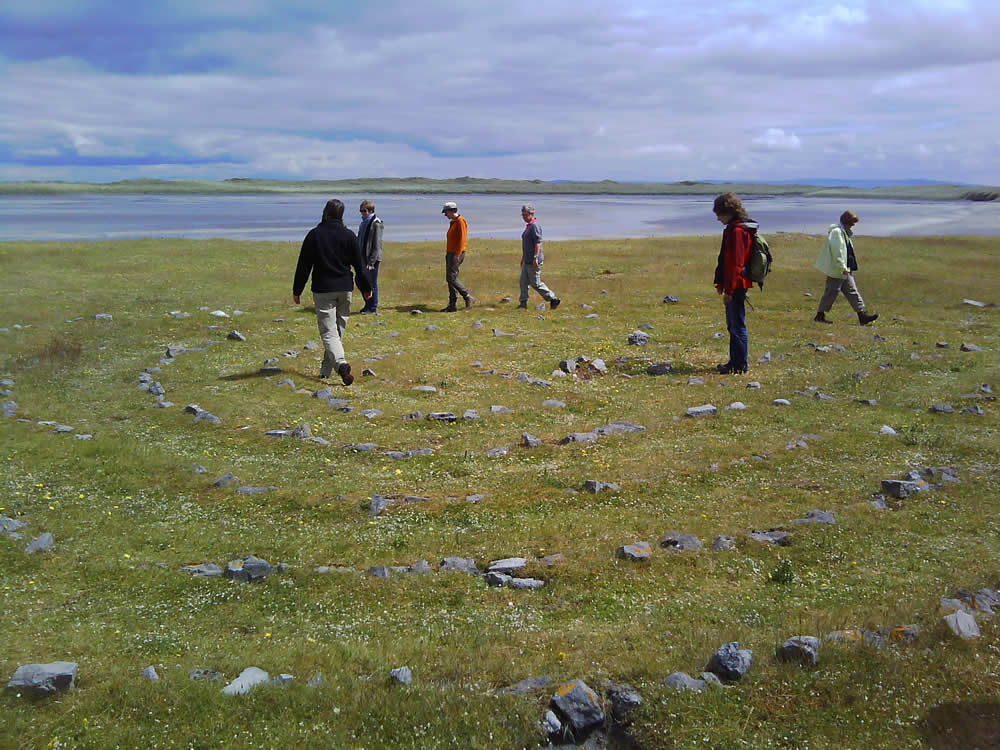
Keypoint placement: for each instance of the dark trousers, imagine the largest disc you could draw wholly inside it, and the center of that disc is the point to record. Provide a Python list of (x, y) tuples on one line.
[(372, 304), (736, 324), (455, 288)]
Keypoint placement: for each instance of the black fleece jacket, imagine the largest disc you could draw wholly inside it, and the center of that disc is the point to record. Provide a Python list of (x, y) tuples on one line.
[(329, 252)]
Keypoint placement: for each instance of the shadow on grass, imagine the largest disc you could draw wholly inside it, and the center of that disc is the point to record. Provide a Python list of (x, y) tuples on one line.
[(248, 375), (962, 726)]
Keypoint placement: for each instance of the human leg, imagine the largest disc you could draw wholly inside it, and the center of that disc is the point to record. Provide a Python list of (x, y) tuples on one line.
[(331, 323), (371, 305), (850, 290), (524, 283), (830, 292), (736, 324), (535, 280)]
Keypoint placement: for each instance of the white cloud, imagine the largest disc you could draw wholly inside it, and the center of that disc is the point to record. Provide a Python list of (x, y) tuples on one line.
[(776, 139)]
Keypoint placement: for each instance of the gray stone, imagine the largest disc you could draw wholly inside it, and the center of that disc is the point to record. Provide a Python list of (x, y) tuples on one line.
[(765, 358), (218, 314), (203, 569), (310, 346), (636, 551), (683, 681), (942, 409), (368, 373), (412, 416), (802, 649), (619, 426), (721, 543), (901, 489), (204, 416), (579, 437), (638, 338), (970, 347), (470, 414), (822, 396), (204, 674), (322, 394), (879, 503), (499, 452), (696, 380), (670, 299), (551, 723), (530, 441), (150, 674), (251, 568), (526, 686), (676, 540), (102, 316), (474, 498), (41, 543), (9, 526), (44, 679), (730, 662), (226, 480), (236, 336), (163, 404), (753, 384), (425, 388), (736, 406), (371, 413), (498, 333), (594, 486), (591, 316), (414, 499), (507, 565), (771, 536), (974, 303), (62, 429), (975, 410), (316, 681), (553, 404), (710, 679), (420, 567), (254, 490), (624, 699), (442, 416), (660, 368), (817, 516), (963, 625), (500, 410), (377, 504), (283, 679), (526, 583), (378, 571), (459, 564), (248, 679), (886, 430), (402, 675), (578, 705), (706, 410), (8, 408), (781, 402), (496, 578)]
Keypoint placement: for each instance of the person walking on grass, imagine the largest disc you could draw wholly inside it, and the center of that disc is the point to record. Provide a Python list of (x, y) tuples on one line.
[(458, 233), (838, 262), (370, 240), (329, 252), (737, 239), (532, 257)]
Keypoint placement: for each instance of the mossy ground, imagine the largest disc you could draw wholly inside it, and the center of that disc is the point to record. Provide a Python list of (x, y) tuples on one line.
[(128, 500)]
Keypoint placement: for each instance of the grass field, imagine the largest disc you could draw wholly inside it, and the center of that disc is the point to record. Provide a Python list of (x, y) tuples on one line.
[(127, 510)]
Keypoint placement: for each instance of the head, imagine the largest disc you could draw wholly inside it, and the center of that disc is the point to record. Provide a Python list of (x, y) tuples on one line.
[(367, 208), (728, 207), (334, 209), (450, 210), (848, 219), (527, 212)]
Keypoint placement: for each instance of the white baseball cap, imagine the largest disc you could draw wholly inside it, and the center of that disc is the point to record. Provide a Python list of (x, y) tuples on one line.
[(450, 206)]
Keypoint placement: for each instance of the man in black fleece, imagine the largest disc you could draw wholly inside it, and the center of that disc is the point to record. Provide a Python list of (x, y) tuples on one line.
[(329, 252)]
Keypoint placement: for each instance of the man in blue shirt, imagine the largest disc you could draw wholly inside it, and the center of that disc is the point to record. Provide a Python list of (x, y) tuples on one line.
[(532, 258)]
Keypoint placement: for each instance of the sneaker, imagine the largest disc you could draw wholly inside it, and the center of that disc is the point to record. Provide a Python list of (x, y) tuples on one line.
[(345, 373), (821, 318), (864, 318), (554, 303), (368, 312), (522, 306), (449, 308)]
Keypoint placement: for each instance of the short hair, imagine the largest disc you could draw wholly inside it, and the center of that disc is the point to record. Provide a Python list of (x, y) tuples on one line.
[(728, 203), (368, 205), (528, 208), (334, 209), (848, 217)]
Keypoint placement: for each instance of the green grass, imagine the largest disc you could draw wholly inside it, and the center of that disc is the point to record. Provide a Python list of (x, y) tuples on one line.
[(466, 185), (127, 510)]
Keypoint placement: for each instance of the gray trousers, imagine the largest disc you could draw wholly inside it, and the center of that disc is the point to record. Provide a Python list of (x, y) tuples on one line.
[(332, 311), (532, 277), (835, 286), (455, 287)]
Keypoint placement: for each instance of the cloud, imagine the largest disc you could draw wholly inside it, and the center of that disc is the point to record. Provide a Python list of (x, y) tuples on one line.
[(776, 139)]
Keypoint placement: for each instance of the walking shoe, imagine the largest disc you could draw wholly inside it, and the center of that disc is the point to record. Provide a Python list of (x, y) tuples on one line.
[(368, 312), (554, 303), (864, 318), (522, 306), (728, 369), (449, 308), (345, 373), (821, 318), (469, 301)]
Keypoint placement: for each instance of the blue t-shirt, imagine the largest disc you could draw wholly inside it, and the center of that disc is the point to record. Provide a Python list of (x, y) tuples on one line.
[(531, 236)]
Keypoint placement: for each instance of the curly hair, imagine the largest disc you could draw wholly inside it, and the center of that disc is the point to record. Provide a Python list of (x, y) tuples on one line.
[(728, 203)]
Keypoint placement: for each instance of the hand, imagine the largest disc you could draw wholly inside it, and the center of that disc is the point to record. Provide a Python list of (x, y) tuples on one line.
[(718, 290), (366, 295), (371, 268), (296, 300), (534, 263), (847, 273)]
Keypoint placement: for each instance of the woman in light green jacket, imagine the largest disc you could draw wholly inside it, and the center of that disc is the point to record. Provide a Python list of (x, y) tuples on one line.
[(838, 262)]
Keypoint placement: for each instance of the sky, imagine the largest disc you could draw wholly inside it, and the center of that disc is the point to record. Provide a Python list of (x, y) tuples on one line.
[(631, 90)]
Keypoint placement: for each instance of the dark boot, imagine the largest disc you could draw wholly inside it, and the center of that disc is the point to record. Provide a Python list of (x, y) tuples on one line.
[(345, 374), (864, 318), (821, 318)]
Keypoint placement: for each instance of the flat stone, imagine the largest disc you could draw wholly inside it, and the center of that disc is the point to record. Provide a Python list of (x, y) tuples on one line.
[(460, 564), (802, 649), (420, 567), (44, 679), (526, 583), (636, 551), (579, 437), (495, 578), (250, 569), (594, 486), (671, 300), (764, 359), (963, 625), (530, 441), (578, 705), (499, 452), (706, 410), (900, 488), (402, 675), (618, 427), (500, 410), (254, 490), (226, 480), (781, 402), (970, 347), (772, 536), (102, 316), (526, 686), (425, 388), (942, 409), (442, 416), (219, 314), (554, 404), (474, 498), (507, 565), (204, 416), (638, 338), (721, 543), (371, 413), (204, 674), (378, 571), (248, 679), (974, 303), (377, 504), (729, 663), (42, 543), (683, 681), (149, 673), (236, 336), (470, 414), (698, 380), (676, 540), (207, 570), (660, 368), (736, 406), (817, 516), (753, 384), (886, 430)]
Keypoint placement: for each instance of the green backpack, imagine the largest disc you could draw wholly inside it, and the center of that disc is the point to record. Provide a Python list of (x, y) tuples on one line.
[(758, 261)]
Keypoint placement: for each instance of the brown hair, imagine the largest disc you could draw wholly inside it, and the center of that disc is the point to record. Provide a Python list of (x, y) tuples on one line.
[(728, 203), (848, 217), (367, 205), (334, 209)]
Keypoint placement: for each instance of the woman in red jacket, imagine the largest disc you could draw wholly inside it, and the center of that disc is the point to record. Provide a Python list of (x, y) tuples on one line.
[(730, 282)]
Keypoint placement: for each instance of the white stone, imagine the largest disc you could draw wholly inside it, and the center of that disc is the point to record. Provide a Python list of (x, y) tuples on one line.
[(886, 430)]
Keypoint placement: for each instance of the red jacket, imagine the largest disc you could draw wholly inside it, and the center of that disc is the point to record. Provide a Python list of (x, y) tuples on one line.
[(737, 239)]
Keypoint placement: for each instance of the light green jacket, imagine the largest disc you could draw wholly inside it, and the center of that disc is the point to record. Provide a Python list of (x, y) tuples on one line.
[(832, 258)]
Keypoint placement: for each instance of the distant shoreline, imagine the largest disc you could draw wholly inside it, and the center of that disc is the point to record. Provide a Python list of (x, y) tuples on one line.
[(477, 185)]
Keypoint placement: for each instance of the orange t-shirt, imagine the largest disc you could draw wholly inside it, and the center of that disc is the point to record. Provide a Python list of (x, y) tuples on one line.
[(458, 230)]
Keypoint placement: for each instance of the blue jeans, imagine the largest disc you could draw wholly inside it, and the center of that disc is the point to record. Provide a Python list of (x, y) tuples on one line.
[(736, 324), (372, 304)]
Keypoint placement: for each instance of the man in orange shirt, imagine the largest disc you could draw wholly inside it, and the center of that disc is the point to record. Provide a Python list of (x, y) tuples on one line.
[(458, 231)]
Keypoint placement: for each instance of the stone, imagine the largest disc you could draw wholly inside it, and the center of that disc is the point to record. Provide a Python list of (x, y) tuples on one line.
[(942, 409), (900, 488), (283, 679), (62, 429), (499, 452), (729, 663), (753, 384), (236, 336), (974, 303), (706, 410), (204, 674), (248, 679), (8, 408), (868, 401), (425, 388), (413, 416), (526, 583), (676, 540), (771, 536), (638, 338), (976, 410), (377, 504), (378, 571), (500, 410), (551, 723), (683, 681), (42, 543), (371, 413), (470, 414), (696, 381), (817, 516), (207, 570), (671, 299), (254, 490), (578, 705), (594, 486), (781, 402), (495, 578), (368, 373), (886, 430), (579, 437), (459, 564), (420, 567), (721, 543), (402, 675), (970, 347), (316, 681), (822, 396), (554, 404), (226, 480), (9, 526), (204, 416), (963, 625), (149, 673), (498, 333), (442, 416), (102, 316), (530, 441), (218, 314), (736, 406), (507, 565), (624, 699), (474, 498), (44, 679), (250, 569), (764, 359), (636, 551), (550, 560), (660, 368), (802, 649), (526, 686)]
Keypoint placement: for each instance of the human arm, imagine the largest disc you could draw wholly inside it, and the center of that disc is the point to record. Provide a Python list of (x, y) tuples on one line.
[(736, 243), (304, 267), (837, 244), (358, 264)]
